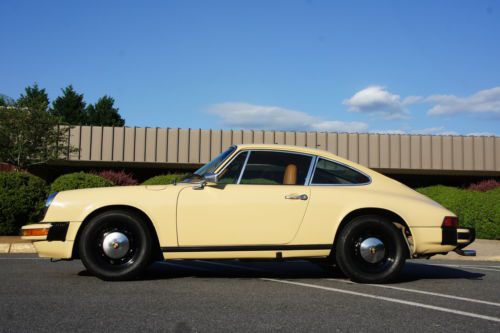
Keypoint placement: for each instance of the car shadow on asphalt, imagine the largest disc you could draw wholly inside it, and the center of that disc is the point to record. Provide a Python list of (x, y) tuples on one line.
[(299, 269), (417, 271)]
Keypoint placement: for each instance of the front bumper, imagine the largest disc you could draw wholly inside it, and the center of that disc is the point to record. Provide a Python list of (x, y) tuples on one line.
[(52, 239), (53, 231)]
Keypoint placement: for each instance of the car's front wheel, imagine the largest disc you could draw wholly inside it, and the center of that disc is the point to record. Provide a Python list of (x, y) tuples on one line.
[(370, 249), (116, 245)]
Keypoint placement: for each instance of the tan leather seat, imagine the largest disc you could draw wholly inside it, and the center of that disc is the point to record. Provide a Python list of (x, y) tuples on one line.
[(290, 177)]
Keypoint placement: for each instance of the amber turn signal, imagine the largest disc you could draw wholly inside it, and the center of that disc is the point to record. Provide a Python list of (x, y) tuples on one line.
[(36, 232)]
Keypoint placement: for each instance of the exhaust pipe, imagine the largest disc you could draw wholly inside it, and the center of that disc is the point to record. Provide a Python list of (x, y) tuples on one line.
[(466, 253)]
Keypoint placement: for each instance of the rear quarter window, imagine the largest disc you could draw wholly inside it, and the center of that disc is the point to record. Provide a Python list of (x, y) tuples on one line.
[(331, 173)]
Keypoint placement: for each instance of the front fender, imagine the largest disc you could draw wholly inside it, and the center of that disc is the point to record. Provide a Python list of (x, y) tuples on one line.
[(156, 202)]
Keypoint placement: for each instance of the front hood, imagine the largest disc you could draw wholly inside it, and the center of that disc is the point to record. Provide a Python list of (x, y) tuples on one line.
[(75, 205)]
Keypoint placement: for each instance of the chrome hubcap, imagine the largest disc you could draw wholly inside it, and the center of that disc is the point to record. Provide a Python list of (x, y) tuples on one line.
[(115, 245), (372, 250)]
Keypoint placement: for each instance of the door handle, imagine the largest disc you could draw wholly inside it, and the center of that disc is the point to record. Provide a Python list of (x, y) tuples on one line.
[(297, 197)]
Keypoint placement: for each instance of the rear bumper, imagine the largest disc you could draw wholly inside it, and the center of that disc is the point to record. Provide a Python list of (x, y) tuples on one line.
[(433, 240), (460, 237), (465, 236)]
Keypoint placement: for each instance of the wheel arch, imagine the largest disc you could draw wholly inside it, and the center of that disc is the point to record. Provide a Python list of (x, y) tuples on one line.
[(394, 217), (156, 243)]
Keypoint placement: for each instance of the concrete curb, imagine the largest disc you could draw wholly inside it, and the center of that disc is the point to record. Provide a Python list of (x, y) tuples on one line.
[(487, 250), (17, 248)]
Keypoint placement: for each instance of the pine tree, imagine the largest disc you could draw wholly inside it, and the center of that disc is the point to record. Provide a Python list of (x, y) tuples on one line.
[(103, 113), (34, 98), (70, 107)]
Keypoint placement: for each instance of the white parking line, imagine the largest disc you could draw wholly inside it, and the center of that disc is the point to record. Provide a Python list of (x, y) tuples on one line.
[(387, 299), (473, 300)]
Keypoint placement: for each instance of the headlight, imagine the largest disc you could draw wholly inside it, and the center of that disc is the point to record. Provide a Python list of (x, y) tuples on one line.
[(49, 200)]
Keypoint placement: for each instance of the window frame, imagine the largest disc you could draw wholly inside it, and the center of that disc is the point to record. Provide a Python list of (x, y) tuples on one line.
[(342, 164), (310, 172), (309, 175)]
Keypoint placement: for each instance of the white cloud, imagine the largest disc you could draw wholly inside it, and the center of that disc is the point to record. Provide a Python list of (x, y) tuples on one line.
[(448, 133), (379, 101), (390, 131), (338, 126), (481, 134), (434, 130), (483, 102), (427, 131), (251, 116)]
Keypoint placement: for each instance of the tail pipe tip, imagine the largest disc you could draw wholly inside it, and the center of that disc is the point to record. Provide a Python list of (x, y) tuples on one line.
[(466, 253)]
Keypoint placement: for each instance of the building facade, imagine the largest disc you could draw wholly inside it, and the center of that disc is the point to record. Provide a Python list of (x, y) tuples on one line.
[(178, 149)]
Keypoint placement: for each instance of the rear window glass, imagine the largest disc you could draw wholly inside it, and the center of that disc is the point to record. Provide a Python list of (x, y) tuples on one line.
[(328, 172)]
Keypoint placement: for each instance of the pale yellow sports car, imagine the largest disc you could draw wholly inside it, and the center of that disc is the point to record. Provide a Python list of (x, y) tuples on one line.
[(253, 202)]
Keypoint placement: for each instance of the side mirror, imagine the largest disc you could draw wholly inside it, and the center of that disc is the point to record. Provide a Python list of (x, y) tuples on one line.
[(207, 178), (211, 177)]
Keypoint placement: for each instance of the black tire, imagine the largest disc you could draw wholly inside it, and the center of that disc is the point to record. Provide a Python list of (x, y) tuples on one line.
[(138, 247), (358, 266)]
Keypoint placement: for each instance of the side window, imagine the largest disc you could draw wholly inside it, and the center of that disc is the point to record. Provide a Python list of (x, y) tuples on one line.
[(328, 172), (232, 172), (276, 168)]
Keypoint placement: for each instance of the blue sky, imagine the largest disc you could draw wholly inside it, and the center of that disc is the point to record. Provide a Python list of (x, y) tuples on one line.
[(371, 66)]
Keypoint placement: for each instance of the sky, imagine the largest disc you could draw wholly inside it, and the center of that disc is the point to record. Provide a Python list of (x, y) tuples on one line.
[(418, 67)]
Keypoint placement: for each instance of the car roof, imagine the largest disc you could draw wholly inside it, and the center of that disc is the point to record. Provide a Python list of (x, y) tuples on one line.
[(308, 150)]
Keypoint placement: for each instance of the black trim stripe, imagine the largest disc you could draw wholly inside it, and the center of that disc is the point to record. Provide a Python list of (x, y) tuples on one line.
[(245, 248)]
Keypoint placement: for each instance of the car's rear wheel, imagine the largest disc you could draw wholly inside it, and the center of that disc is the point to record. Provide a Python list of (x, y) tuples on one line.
[(370, 249), (116, 245)]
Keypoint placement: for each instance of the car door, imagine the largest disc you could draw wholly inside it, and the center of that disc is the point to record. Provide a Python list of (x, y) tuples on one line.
[(260, 199)]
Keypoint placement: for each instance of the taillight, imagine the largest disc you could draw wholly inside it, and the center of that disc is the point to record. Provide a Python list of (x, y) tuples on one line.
[(450, 222)]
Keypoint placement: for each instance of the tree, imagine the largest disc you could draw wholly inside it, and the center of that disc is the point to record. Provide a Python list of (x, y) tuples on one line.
[(34, 98), (103, 113), (70, 107), (5, 100), (30, 136)]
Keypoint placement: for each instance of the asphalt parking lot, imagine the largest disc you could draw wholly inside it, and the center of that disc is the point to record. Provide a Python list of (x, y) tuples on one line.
[(203, 296)]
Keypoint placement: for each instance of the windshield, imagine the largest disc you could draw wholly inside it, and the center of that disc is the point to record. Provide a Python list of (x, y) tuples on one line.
[(215, 163)]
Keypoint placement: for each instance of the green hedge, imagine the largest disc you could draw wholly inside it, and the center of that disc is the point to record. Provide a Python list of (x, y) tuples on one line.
[(480, 210), (22, 197), (166, 179), (78, 180)]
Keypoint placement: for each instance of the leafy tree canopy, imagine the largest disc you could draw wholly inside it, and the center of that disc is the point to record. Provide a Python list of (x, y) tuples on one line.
[(103, 113), (70, 107), (30, 136), (34, 98), (5, 100)]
